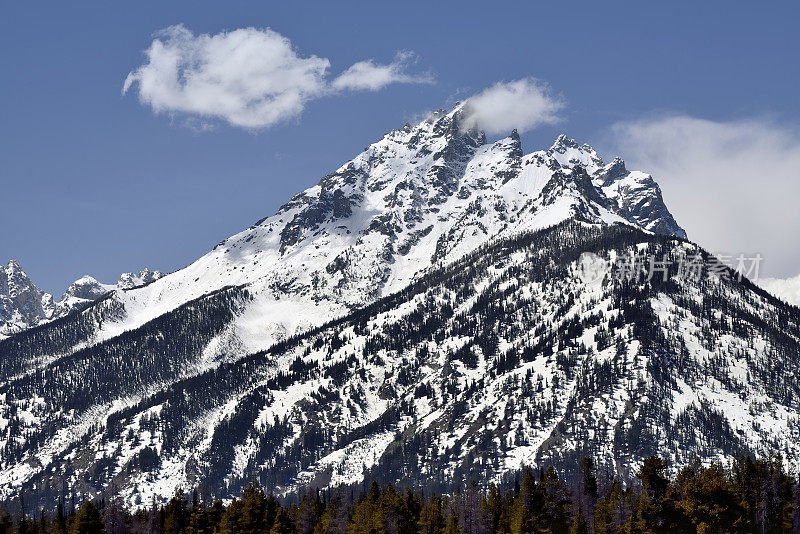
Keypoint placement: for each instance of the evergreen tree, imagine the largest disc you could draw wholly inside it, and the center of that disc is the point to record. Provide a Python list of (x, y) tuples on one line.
[(6, 522), (283, 524), (252, 511), (88, 520), (587, 491), (708, 500), (751, 496), (113, 513), (309, 512), (432, 516), (579, 525), (60, 526), (153, 525), (611, 511), (452, 525), (175, 514), (647, 512)]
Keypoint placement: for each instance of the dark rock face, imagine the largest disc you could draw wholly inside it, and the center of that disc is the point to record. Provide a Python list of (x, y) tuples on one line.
[(450, 162), (611, 172), (329, 206)]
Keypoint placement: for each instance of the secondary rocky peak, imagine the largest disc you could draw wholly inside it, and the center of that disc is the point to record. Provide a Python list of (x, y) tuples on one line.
[(16, 280), (568, 153), (13, 265), (613, 171), (563, 143), (86, 288), (514, 143)]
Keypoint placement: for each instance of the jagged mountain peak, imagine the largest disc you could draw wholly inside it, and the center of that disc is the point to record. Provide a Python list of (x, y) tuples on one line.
[(15, 278), (13, 266), (563, 143), (420, 196), (22, 303), (633, 195), (424, 194), (611, 172), (569, 153)]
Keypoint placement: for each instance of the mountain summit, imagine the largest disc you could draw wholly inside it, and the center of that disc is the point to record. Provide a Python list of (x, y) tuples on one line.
[(422, 315)]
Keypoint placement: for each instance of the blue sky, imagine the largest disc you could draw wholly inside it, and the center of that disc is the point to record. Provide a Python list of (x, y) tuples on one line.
[(94, 182)]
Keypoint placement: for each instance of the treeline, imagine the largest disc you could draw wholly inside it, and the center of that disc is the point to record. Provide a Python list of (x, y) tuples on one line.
[(746, 496)]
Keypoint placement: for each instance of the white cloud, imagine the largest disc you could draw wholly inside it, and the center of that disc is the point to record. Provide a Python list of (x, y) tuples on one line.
[(734, 186), (787, 289), (367, 75), (250, 78), (522, 104)]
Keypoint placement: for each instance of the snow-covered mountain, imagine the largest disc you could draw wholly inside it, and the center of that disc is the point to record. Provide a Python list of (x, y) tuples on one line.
[(23, 304), (423, 195), (421, 314)]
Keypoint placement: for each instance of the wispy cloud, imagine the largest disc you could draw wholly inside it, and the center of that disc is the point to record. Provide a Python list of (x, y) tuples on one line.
[(368, 75), (733, 185), (250, 78), (522, 104)]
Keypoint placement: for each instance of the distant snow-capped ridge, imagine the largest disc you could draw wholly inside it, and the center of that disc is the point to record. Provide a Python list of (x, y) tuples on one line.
[(23, 304)]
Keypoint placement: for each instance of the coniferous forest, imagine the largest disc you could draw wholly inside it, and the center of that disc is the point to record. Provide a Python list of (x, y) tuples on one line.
[(746, 495)]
